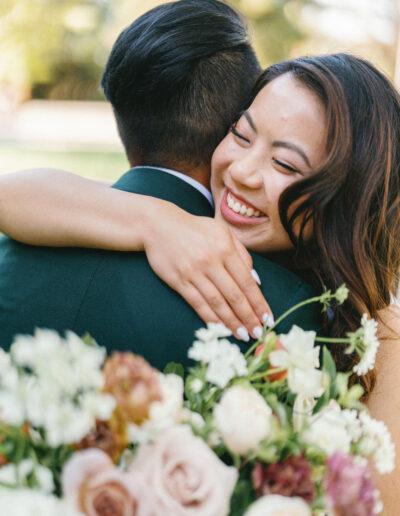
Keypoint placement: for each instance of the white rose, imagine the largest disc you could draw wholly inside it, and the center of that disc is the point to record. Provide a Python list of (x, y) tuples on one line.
[(277, 505), (243, 418), (184, 475), (328, 430)]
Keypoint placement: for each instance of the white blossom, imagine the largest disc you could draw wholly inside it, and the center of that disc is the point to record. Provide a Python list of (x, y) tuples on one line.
[(214, 331), (377, 442), (24, 502), (369, 347), (162, 414), (225, 360), (196, 385), (194, 418), (342, 294), (300, 358), (16, 475), (328, 430), (57, 386)]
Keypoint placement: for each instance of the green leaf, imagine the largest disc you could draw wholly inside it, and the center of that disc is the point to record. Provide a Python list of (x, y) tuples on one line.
[(174, 368), (328, 364), (242, 497), (322, 401)]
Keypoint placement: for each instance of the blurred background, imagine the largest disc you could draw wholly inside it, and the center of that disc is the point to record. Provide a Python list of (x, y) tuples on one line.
[(52, 53)]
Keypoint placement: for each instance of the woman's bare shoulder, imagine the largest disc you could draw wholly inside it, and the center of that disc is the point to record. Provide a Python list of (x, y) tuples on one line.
[(384, 401), (389, 323)]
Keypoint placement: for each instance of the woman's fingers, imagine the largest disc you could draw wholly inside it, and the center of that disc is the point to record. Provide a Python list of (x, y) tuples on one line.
[(222, 294), (193, 297), (233, 306), (249, 289)]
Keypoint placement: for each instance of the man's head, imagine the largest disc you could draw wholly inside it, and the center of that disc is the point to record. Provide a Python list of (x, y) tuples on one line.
[(177, 78)]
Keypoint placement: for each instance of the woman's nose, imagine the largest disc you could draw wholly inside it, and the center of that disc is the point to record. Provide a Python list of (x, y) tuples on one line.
[(247, 172)]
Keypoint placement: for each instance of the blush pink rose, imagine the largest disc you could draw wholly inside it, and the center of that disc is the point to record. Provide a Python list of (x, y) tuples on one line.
[(94, 486), (185, 476)]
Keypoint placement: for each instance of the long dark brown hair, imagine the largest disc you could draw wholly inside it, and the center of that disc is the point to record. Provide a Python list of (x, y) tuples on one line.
[(353, 199)]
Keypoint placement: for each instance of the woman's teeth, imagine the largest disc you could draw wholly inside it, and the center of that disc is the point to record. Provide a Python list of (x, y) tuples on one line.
[(238, 207)]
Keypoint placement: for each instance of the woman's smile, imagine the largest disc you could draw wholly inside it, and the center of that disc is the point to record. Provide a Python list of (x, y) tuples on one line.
[(239, 211)]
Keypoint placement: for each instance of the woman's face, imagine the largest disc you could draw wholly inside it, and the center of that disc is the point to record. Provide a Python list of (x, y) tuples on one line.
[(280, 139)]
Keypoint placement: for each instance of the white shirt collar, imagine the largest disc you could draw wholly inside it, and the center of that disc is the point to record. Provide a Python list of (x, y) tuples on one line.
[(201, 188)]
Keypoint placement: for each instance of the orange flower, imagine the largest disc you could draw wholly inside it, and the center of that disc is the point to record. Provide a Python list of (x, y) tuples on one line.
[(134, 385)]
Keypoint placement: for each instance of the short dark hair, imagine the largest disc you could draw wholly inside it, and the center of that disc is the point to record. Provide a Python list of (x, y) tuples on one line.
[(177, 78)]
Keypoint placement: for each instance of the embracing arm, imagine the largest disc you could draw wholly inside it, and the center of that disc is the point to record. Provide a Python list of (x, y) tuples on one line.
[(384, 401), (203, 261), (57, 208)]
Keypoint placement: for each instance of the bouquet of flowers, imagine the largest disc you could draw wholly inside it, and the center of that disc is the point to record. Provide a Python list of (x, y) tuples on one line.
[(265, 433)]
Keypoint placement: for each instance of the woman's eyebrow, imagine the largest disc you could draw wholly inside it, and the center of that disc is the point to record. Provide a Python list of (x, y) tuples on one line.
[(293, 147), (246, 114)]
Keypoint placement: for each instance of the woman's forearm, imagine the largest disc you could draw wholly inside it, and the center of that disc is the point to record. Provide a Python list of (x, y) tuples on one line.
[(57, 208)]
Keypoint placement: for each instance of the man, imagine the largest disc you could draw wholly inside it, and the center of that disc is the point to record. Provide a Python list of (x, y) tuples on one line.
[(176, 78)]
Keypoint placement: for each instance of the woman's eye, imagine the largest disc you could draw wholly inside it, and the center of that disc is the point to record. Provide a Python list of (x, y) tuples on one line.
[(285, 166), (238, 135)]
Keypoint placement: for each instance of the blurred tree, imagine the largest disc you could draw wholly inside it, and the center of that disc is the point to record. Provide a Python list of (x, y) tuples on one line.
[(57, 48), (49, 47), (275, 26)]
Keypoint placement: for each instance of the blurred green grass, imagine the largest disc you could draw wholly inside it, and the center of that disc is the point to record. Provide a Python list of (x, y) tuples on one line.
[(93, 163)]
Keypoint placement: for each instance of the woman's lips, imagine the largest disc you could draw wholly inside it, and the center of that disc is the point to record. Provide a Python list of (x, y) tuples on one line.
[(232, 209)]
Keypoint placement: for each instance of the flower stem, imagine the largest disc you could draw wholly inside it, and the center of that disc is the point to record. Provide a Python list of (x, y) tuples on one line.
[(332, 339), (283, 316), (267, 373)]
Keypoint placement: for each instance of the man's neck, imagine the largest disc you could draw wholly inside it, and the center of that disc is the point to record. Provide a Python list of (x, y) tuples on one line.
[(200, 173)]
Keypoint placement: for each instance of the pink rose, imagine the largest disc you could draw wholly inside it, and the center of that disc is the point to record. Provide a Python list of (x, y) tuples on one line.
[(93, 485), (185, 476)]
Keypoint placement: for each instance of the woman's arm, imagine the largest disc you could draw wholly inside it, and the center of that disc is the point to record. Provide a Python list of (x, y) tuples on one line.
[(57, 208), (202, 260), (384, 401)]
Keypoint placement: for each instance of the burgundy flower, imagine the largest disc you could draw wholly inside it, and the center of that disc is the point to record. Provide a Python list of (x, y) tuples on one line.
[(291, 477), (349, 490)]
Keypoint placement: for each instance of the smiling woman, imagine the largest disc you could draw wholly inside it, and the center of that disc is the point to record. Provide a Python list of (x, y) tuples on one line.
[(311, 169), (279, 140)]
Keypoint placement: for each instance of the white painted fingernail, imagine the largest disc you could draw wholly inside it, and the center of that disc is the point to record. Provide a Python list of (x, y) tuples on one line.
[(243, 334), (257, 332), (255, 275), (268, 319)]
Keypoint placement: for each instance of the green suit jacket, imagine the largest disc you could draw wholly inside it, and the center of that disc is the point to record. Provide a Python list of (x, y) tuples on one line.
[(115, 296)]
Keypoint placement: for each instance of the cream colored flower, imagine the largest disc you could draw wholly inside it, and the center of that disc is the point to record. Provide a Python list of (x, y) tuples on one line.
[(243, 418), (277, 505)]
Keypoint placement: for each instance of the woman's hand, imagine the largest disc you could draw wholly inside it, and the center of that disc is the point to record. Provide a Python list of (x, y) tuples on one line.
[(205, 263), (197, 256)]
